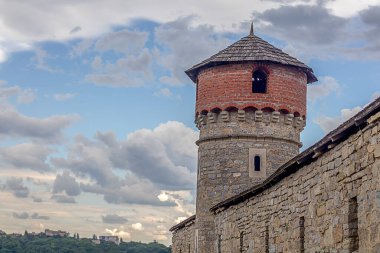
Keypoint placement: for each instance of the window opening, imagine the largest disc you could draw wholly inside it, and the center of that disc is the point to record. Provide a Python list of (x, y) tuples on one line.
[(241, 242), (257, 163), (266, 239), (219, 243), (353, 224), (259, 82), (302, 234)]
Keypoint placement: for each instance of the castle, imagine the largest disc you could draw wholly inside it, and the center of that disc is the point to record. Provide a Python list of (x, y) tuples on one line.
[(255, 192)]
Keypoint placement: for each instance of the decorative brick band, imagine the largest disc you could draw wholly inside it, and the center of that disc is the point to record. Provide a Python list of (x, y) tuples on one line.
[(258, 116)]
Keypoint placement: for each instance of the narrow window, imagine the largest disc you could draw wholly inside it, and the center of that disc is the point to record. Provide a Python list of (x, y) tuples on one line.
[(302, 234), (189, 247), (241, 241), (219, 244), (257, 163), (196, 241), (259, 82), (353, 224), (266, 239)]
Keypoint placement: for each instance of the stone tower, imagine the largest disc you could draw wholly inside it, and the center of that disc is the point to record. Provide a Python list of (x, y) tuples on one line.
[(250, 109)]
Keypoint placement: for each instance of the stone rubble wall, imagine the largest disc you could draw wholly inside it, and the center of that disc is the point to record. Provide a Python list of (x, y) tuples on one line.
[(321, 193), (183, 239)]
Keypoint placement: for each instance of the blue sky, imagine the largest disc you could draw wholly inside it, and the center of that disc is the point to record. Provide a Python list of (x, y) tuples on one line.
[(97, 131)]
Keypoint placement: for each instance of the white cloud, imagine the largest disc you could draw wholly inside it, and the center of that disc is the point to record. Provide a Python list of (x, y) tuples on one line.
[(326, 86), (63, 96), (137, 226), (119, 232), (23, 96), (330, 123)]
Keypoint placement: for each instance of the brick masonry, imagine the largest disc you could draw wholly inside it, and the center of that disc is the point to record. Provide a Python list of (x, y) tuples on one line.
[(231, 86)]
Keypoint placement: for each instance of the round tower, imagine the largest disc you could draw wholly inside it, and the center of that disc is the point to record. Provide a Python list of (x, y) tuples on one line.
[(250, 109)]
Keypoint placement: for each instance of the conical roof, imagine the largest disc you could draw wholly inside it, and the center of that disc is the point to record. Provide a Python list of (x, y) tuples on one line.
[(251, 49)]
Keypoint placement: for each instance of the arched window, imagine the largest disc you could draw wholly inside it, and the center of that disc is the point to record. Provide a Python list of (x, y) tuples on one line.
[(259, 82), (257, 163)]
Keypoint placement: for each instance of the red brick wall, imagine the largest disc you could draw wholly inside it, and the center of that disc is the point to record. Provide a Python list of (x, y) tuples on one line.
[(231, 86)]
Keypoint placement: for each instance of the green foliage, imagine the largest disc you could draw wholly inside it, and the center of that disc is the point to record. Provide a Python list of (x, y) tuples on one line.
[(28, 244)]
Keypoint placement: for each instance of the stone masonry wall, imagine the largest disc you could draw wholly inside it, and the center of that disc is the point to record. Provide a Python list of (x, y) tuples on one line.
[(227, 143), (328, 197), (183, 239), (231, 85)]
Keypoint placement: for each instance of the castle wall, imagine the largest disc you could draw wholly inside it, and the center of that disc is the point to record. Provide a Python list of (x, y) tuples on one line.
[(183, 239), (317, 207), (231, 85), (228, 143)]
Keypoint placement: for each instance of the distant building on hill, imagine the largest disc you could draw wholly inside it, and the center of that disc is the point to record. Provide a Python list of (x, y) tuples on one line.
[(59, 233), (109, 238)]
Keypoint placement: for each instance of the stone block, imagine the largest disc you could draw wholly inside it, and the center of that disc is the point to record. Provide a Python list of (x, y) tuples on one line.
[(225, 116)]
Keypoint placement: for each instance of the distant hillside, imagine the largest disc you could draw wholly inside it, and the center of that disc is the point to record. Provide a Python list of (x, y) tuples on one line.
[(36, 244)]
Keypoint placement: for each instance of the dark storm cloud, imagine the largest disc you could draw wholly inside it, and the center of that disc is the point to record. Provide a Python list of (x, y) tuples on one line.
[(114, 219)]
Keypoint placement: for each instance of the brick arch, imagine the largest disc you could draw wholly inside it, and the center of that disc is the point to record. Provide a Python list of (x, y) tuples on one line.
[(204, 112), (284, 111), (231, 109), (268, 109), (216, 110)]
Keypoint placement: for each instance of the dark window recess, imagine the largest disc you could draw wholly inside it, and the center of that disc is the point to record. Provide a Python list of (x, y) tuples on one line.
[(259, 82), (241, 241), (257, 162), (353, 224), (266, 239), (219, 243), (189, 248), (302, 234)]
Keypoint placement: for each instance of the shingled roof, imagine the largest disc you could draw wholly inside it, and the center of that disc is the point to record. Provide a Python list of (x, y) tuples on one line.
[(250, 49)]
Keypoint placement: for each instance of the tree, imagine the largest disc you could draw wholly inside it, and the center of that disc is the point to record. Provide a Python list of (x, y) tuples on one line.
[(94, 237)]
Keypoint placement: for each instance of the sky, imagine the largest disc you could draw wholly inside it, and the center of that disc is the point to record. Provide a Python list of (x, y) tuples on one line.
[(97, 116)]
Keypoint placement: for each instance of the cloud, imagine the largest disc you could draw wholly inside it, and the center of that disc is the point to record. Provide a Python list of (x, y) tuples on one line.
[(114, 219), (330, 123), (25, 215), (128, 71), (36, 216), (63, 199), (40, 60), (326, 86), (124, 41), (75, 30), (26, 156), (138, 226), (119, 232), (24, 96), (152, 160), (66, 183), (46, 129), (178, 53), (63, 96), (22, 215), (16, 187)]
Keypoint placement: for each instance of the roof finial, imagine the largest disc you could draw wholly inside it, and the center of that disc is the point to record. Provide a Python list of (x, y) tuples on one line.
[(251, 31)]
